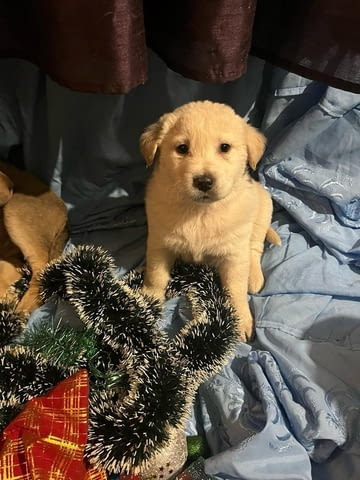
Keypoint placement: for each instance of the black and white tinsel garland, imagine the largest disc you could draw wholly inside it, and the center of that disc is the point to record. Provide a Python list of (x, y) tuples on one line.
[(130, 424)]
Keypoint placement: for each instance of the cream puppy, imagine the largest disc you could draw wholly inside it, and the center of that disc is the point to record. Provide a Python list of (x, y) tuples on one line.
[(201, 203)]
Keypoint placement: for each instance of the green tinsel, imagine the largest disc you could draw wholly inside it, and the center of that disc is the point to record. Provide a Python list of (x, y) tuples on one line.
[(197, 448), (62, 346), (70, 348)]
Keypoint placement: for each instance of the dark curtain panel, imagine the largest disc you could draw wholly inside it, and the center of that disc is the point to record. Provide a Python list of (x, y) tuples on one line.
[(206, 40), (100, 45), (318, 39), (86, 45)]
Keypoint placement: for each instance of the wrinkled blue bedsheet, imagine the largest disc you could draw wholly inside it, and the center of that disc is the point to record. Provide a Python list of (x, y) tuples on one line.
[(287, 406)]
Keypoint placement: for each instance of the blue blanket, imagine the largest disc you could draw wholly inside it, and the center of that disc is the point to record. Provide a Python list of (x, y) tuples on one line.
[(288, 407)]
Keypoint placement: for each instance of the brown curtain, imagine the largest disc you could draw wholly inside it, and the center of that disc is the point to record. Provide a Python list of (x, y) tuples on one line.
[(100, 45), (86, 45), (318, 39), (206, 40)]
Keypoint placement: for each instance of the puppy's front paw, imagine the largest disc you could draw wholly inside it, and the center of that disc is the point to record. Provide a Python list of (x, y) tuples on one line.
[(153, 292), (246, 329), (245, 324), (256, 281)]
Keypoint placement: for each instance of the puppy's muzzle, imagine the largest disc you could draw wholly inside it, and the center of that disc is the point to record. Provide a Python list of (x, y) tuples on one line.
[(204, 183)]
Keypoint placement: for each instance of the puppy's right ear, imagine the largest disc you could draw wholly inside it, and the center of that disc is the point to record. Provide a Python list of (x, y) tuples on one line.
[(153, 135)]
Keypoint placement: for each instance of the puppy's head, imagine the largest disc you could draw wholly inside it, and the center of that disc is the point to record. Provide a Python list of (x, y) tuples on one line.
[(202, 150), (6, 189)]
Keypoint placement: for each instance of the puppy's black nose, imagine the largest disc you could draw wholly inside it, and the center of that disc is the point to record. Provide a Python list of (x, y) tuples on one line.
[(204, 183)]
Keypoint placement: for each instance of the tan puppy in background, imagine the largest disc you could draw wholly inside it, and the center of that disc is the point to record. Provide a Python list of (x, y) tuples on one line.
[(33, 231), (202, 205)]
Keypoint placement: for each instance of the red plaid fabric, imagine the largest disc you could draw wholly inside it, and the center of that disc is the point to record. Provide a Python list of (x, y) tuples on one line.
[(46, 441)]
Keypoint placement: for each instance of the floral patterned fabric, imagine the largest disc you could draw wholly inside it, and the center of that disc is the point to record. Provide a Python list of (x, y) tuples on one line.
[(288, 406), (315, 176)]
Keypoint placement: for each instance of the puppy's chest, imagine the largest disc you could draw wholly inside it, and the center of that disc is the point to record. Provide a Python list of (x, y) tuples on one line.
[(200, 240)]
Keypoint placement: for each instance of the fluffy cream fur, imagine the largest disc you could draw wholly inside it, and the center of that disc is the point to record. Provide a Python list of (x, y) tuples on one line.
[(224, 226)]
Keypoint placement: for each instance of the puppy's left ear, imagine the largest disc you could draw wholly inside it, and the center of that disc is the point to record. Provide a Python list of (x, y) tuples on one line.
[(256, 143), (153, 135)]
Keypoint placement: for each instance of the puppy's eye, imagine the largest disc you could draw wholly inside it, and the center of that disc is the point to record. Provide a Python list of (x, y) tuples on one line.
[(183, 149), (225, 147)]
